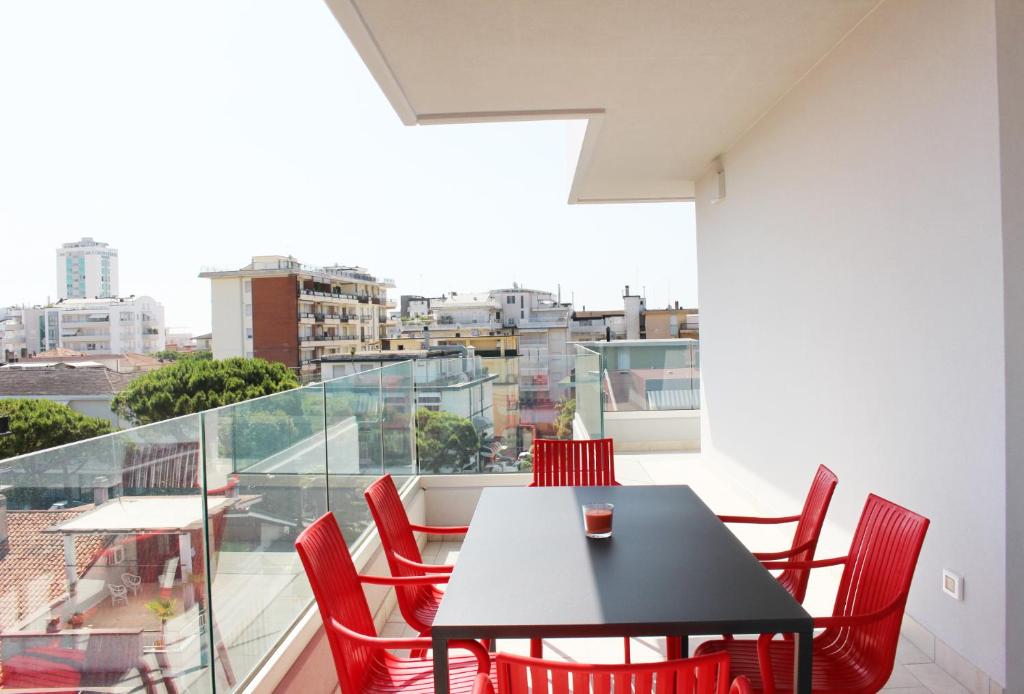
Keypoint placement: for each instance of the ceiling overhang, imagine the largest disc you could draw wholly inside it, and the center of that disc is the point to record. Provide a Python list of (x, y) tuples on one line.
[(660, 88)]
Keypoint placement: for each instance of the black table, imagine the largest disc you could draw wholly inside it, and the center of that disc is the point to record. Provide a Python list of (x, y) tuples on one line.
[(671, 568)]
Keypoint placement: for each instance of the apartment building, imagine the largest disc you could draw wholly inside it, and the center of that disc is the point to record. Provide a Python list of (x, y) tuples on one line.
[(671, 322), (634, 322), (485, 343), (416, 306), (279, 309), (133, 324), (87, 269)]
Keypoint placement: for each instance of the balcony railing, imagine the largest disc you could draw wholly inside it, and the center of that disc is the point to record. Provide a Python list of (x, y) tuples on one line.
[(202, 511)]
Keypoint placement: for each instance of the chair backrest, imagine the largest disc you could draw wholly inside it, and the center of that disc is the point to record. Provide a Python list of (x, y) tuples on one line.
[(879, 570), (117, 590), (131, 579), (396, 535), (808, 529), (339, 595), (586, 463), (708, 674)]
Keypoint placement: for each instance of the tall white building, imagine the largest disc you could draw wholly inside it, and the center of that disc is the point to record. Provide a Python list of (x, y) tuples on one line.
[(101, 326), (87, 269)]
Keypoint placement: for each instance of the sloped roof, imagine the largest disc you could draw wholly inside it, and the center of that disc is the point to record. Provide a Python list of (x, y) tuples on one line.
[(59, 352), (32, 573), (131, 358), (62, 381)]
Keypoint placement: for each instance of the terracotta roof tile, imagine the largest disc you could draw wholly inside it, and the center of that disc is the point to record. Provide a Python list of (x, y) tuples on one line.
[(32, 572), (18, 382)]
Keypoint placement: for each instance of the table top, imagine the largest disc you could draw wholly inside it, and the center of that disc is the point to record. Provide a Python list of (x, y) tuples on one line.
[(671, 567)]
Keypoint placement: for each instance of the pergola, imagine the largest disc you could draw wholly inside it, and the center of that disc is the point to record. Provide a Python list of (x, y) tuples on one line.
[(168, 515)]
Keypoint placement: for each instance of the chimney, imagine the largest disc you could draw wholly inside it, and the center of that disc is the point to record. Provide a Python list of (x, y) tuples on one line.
[(100, 490), (5, 544), (677, 305), (426, 337), (626, 293)]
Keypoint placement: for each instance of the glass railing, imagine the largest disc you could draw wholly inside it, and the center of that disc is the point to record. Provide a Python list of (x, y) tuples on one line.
[(649, 374), (104, 561), (165, 553)]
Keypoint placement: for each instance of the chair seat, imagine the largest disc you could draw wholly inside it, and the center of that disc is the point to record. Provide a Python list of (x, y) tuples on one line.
[(416, 676), (835, 668), (426, 609)]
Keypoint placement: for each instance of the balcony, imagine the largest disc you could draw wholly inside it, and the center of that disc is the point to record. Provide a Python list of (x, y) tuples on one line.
[(329, 296)]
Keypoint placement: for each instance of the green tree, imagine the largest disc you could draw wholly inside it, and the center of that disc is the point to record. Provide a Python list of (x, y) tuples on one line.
[(566, 412), (193, 385), (170, 355), (444, 440), (39, 424)]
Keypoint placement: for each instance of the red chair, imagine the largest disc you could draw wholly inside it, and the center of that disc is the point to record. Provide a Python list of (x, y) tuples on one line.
[(418, 603), (573, 463), (587, 463), (361, 658), (808, 530), (856, 650), (705, 675)]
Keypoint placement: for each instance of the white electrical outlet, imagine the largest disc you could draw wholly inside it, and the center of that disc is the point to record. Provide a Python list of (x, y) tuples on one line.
[(952, 584)]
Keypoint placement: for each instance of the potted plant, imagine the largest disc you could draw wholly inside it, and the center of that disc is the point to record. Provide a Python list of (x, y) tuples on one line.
[(76, 621), (163, 608)]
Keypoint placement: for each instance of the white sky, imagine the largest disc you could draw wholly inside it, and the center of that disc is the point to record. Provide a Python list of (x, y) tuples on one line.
[(192, 134)]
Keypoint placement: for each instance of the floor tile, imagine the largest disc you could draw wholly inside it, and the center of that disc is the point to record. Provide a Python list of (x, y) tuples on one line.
[(902, 678), (909, 654), (935, 680)]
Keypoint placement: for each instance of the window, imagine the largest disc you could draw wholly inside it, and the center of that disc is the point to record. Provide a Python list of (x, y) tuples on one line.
[(522, 314), (248, 333), (248, 309), (247, 286), (510, 299)]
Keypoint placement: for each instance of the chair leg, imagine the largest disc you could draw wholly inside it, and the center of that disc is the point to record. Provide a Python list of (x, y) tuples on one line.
[(420, 652), (626, 650), (536, 648)]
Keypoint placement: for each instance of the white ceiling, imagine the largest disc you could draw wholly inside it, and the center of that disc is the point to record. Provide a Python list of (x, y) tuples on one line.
[(665, 85)]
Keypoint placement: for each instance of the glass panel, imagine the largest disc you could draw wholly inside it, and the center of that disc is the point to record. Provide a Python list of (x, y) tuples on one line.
[(455, 421), (354, 446), (512, 436), (399, 400), (266, 462), (658, 375), (589, 419), (104, 562)]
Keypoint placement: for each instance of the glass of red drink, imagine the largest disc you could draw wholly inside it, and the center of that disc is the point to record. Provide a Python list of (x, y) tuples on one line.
[(597, 519)]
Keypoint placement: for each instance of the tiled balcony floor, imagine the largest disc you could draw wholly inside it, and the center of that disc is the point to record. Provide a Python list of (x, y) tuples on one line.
[(915, 673)]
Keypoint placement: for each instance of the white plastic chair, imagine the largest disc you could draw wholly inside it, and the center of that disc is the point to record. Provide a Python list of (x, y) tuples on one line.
[(118, 593), (132, 582)]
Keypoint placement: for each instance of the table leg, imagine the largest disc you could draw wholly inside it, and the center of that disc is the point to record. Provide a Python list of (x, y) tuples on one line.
[(677, 647), (440, 647), (802, 667)]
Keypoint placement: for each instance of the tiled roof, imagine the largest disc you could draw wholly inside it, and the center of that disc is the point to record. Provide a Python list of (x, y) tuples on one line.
[(16, 382), (59, 352), (32, 572), (131, 358)]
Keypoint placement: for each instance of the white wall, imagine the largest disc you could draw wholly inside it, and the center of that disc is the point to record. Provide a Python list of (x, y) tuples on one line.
[(227, 316), (873, 187), (653, 430), (1010, 57)]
